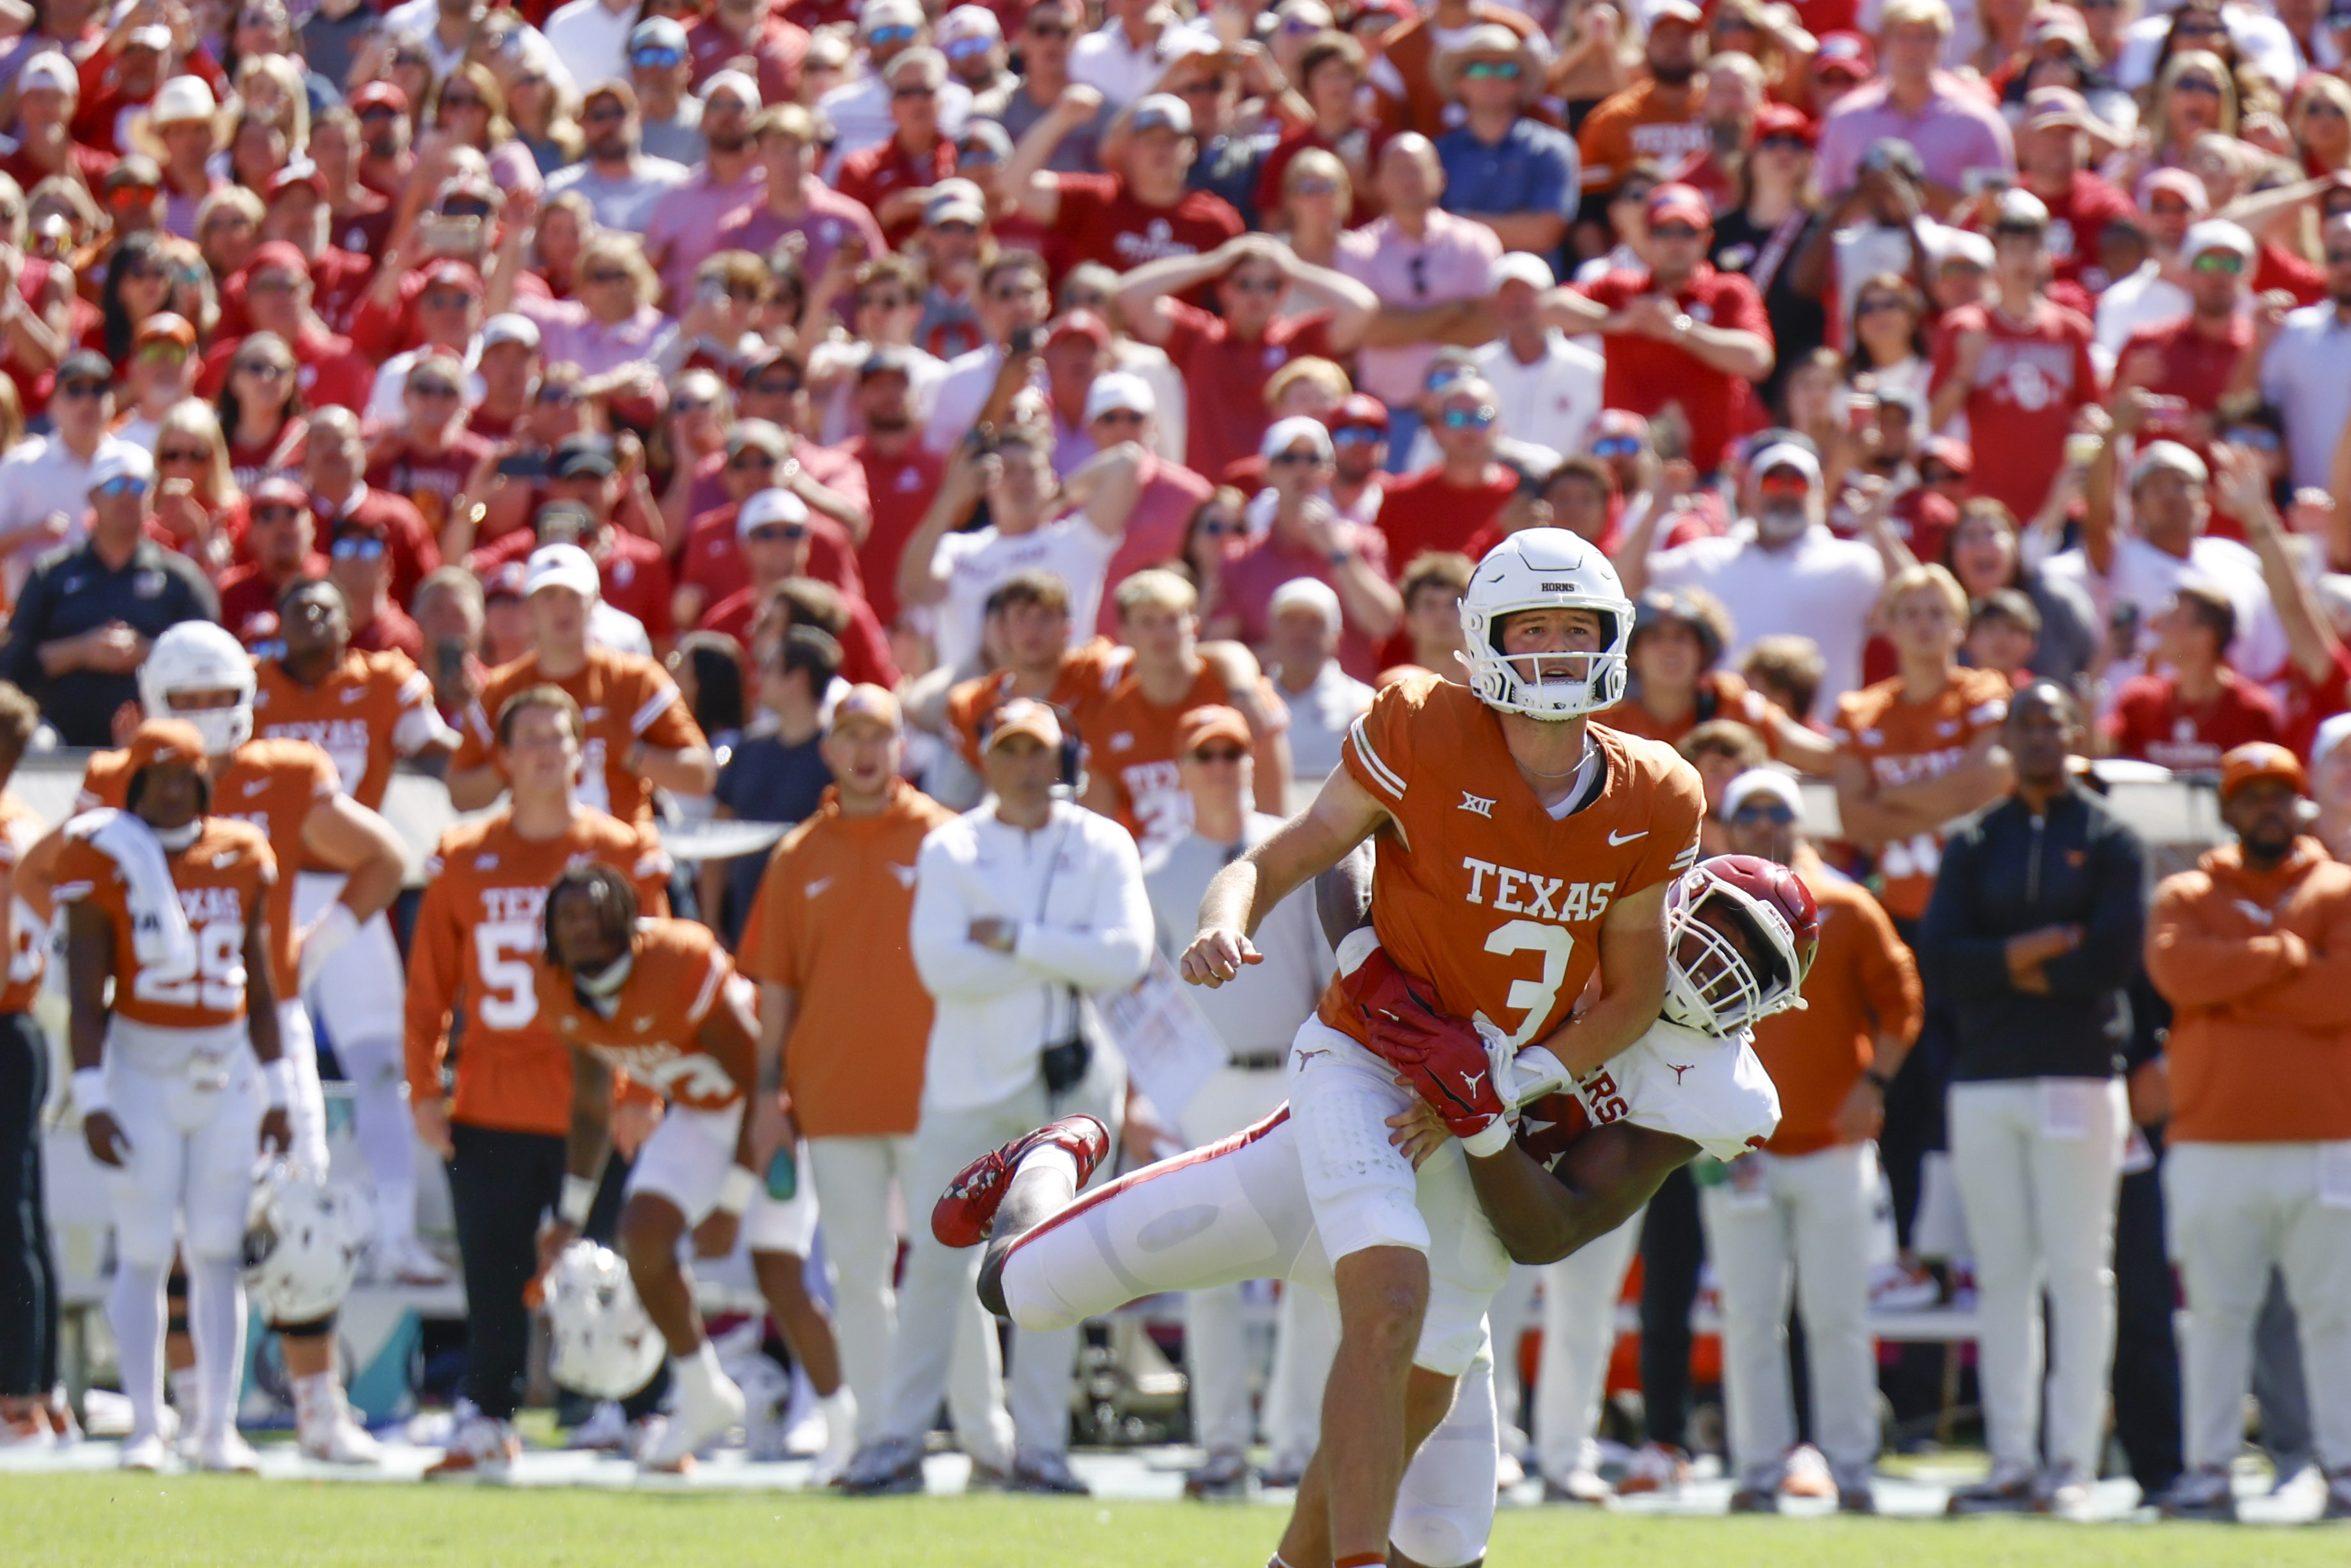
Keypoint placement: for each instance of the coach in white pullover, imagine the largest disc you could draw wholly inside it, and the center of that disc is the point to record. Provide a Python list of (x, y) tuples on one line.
[(1022, 906)]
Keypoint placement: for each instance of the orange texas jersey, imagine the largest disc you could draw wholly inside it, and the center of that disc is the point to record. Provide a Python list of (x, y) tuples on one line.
[(224, 875), (28, 950), (1086, 676), (272, 784), (373, 710), (622, 699), (653, 1031), (1133, 743), (477, 951), (1480, 891), (1903, 742)]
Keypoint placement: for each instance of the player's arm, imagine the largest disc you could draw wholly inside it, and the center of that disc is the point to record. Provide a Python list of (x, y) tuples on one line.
[(433, 954), (261, 1026), (585, 1146), (347, 837), (1981, 776), (89, 964), (475, 780), (1342, 816), (727, 1035), (1602, 1179), (1632, 984), (35, 878)]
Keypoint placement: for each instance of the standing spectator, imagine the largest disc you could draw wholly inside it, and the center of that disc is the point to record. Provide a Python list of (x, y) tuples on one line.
[(1142, 210), (799, 202), (682, 230), (2251, 948), (1302, 658), (1121, 58), (620, 182), (732, 29), (87, 614), (1953, 127), (45, 480), (1120, 406), (2303, 358), (1805, 1202), (1502, 167), (1656, 120), (1023, 905), (358, 565), (843, 1019), (1304, 536), (29, 1283), (2018, 369), (2051, 153), (1442, 506), (1253, 1018), (2033, 933), (1045, 48), (901, 476), (2192, 360), (894, 178), (2197, 709), (982, 386), (1675, 657), (2171, 202), (1547, 388), (777, 775), (1678, 331), (1783, 572), (334, 470)]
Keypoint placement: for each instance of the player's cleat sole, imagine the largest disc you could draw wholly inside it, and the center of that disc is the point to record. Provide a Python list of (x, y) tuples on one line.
[(966, 1212)]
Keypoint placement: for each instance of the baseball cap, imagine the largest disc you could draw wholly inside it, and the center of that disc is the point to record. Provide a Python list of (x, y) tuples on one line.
[(1674, 200), (2258, 760), (922, 58), (2158, 455), (1762, 782), (984, 136), (743, 86), (277, 487), (460, 273), (767, 508), (966, 23), (1779, 120), (283, 254), (886, 359), (2330, 734), (506, 581), (2217, 233), (119, 460), (1161, 111), (2180, 183), (167, 740), (154, 35), (2020, 209), (1361, 408), (1948, 244), (51, 69), (1080, 324), (1682, 11), (298, 174), (1844, 55), (1119, 390), (1284, 434), (379, 94), (582, 456), (763, 433), (875, 14), (510, 326), (1522, 267), (866, 703), (954, 202), (165, 324), (2054, 106), (661, 32), (1201, 725), (562, 566), (1025, 716), (1950, 452), (1785, 455), (86, 365), (2057, 22), (1307, 594)]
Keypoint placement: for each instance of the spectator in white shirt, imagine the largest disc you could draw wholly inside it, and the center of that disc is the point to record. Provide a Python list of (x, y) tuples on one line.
[(2305, 363), (591, 36), (1547, 388), (858, 110), (1301, 655), (45, 479), (1125, 55), (2169, 199)]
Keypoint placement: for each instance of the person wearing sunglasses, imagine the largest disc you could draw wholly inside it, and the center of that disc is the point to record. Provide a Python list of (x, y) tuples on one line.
[(1141, 209), (761, 453), (1440, 507), (2192, 362), (620, 181), (85, 618), (1512, 174), (2052, 157), (278, 299), (798, 203), (861, 110), (662, 70), (1044, 41), (162, 372), (682, 233), (281, 541), (894, 178), (973, 41), (1303, 535), (295, 211)]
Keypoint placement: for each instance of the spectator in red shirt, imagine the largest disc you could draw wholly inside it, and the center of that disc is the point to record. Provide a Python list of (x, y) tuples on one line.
[(1274, 307), (1439, 507), (2189, 717), (733, 29), (47, 91), (1120, 406), (759, 454), (430, 457), (634, 571), (2192, 359), (297, 207), (358, 562), (2052, 155), (334, 465), (1143, 212), (281, 537), (900, 475), (120, 75), (893, 179), (2019, 369), (276, 289), (2317, 675), (1678, 332), (774, 529)]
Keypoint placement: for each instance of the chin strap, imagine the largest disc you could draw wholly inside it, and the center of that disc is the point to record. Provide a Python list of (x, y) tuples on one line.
[(179, 838), (602, 990)]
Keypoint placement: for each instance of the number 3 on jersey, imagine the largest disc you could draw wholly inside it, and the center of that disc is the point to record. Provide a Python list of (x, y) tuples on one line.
[(1538, 996)]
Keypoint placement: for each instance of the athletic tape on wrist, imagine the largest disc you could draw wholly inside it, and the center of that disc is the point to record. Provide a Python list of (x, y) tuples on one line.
[(579, 1198), (89, 1090), (277, 1079), (1489, 1140)]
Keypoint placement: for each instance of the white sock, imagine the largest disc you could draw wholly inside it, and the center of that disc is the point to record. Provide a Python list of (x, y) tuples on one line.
[(216, 1323), (315, 1396), (134, 1310), (186, 1393), (385, 1131), (1050, 1157), (698, 1373), (839, 1408)]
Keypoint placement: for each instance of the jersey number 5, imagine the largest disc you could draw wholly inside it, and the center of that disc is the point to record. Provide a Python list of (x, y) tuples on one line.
[(214, 979), (503, 949), (1538, 996)]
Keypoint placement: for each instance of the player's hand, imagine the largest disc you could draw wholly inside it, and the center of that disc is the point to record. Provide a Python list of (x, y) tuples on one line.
[(1862, 1114), (431, 1118), (1420, 1131), (553, 1237), (995, 932), (715, 1237), (1217, 955), (1382, 995), (1450, 1072), (104, 1135), (276, 1131)]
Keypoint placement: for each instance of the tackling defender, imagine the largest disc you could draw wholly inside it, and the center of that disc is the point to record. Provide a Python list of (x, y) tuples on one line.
[(1588, 1153)]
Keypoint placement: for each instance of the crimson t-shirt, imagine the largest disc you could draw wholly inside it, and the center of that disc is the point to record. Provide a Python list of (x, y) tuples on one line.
[(872, 173), (1100, 220), (2031, 378), (1225, 377), (1421, 512), (2308, 704), (2149, 722), (898, 491), (2196, 368), (2076, 219), (1645, 374)]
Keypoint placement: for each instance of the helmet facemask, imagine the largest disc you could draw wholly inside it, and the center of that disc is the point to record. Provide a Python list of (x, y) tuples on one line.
[(1555, 687), (1725, 967)]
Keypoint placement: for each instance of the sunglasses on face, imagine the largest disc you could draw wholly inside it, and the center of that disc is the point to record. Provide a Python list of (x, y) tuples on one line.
[(435, 391), (2168, 209), (122, 485), (743, 462), (1673, 230), (605, 114), (275, 512), (780, 533), (262, 370), (1359, 435), (1776, 813), (968, 48), (1118, 417), (372, 112), (163, 352), (2259, 439), (128, 198), (884, 301), (2327, 106), (1931, 475), (1786, 143), (1208, 87), (1266, 286), (457, 207), (1491, 70), (1049, 31), (1219, 753), (655, 56), (1316, 186), (184, 455), (447, 298), (2219, 261), (784, 388), (227, 220), (896, 33), (1219, 528), (1784, 484), (976, 157), (1294, 459), (1476, 418), (558, 396), (911, 92), (1873, 307), (1616, 446), (603, 275), (357, 547), (2201, 86)]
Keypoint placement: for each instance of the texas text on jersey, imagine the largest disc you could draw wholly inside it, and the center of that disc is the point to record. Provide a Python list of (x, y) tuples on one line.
[(370, 711), (624, 699), (223, 877), (650, 1027), (1474, 906), (269, 784)]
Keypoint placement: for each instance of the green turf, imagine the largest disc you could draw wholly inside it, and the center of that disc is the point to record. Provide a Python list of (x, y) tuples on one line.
[(119, 1521)]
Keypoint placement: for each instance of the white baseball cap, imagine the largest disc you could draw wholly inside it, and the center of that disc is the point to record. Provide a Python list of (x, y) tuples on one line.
[(1119, 390), (737, 82), (119, 458), (767, 509), (562, 566), (1522, 266), (1308, 593), (2158, 455), (510, 326), (2217, 233), (1287, 433), (1762, 781), (1785, 455)]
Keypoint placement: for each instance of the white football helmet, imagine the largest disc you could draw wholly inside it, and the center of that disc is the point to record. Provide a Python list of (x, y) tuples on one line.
[(1716, 988), (302, 1244), (1546, 568), (200, 656), (604, 1345)]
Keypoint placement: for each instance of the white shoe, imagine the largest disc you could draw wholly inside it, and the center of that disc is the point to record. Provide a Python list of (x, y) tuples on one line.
[(146, 1453), (479, 1448), (702, 1416), (26, 1433), (227, 1453), (606, 1430), (840, 1438), (332, 1435), (408, 1261)]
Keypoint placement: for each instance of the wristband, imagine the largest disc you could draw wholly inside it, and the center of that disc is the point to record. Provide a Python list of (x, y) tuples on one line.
[(579, 1198), (89, 1090), (278, 1078), (734, 1193), (1490, 1140)]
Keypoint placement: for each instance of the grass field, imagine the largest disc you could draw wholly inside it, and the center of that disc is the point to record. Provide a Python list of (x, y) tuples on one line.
[(121, 1521)]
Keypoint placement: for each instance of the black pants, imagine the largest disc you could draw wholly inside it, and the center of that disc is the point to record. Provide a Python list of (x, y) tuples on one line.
[(1672, 1246), (2146, 1360), (500, 1186), (28, 1297), (1913, 1103)]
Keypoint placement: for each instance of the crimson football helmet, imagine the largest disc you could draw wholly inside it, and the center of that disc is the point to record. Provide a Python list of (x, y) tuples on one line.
[(1719, 985)]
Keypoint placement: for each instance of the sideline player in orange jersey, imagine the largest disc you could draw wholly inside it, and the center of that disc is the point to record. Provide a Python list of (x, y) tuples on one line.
[(365, 711), (638, 734), (1026, 629), (171, 904), (478, 943), (199, 672), (32, 1407), (1522, 850), (660, 1001)]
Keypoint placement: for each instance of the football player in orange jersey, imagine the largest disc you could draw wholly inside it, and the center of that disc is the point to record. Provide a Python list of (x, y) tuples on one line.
[(29, 1320), (478, 946), (199, 672), (1522, 849), (660, 1001), (365, 711), (170, 903)]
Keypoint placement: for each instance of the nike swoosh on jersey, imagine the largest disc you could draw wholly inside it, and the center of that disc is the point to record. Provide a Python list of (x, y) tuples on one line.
[(817, 885), (1615, 839), (254, 787)]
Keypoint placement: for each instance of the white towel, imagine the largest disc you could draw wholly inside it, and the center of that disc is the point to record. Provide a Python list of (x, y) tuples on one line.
[(160, 934)]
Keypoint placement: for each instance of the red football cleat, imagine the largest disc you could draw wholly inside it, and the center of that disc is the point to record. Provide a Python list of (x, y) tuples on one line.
[(967, 1210)]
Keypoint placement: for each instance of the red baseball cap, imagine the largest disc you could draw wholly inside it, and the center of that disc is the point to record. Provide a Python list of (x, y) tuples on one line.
[(1081, 324), (299, 172), (1667, 203), (379, 95), (1950, 452), (1780, 120), (278, 253), (1846, 55), (1361, 408)]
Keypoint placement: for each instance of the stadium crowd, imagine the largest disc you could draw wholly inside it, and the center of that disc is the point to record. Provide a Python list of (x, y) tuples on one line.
[(937, 427)]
